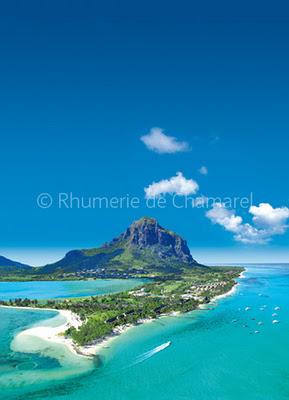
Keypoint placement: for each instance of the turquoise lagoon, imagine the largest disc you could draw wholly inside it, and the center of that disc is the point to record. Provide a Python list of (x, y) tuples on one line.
[(224, 353), (64, 289)]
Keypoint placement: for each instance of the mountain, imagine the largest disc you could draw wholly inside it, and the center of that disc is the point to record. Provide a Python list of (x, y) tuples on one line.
[(13, 267), (145, 247)]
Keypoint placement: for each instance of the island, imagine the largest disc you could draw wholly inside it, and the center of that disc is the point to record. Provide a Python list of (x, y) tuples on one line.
[(175, 282)]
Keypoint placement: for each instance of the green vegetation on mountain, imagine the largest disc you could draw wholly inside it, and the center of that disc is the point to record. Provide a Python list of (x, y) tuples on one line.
[(144, 249), (13, 268)]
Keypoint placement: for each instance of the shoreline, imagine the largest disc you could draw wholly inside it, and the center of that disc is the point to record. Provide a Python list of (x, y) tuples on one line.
[(242, 275), (231, 292), (56, 334)]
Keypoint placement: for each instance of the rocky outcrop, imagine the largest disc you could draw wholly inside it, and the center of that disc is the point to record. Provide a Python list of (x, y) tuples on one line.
[(144, 246), (147, 232)]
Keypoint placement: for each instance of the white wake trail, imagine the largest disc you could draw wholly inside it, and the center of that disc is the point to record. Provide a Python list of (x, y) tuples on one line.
[(151, 353)]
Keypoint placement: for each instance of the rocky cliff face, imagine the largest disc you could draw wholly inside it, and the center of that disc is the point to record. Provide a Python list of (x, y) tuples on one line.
[(146, 232), (145, 246)]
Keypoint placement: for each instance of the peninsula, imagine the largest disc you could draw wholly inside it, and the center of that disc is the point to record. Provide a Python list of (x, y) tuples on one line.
[(176, 282)]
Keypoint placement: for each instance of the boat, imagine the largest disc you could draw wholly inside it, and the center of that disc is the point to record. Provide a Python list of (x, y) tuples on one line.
[(275, 321), (163, 346)]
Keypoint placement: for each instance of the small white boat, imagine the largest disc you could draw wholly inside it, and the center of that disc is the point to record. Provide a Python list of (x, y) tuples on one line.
[(163, 346), (260, 323), (256, 332), (274, 314), (275, 321), (277, 308), (247, 308)]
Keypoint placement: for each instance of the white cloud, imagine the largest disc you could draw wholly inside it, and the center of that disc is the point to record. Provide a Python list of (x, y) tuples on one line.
[(157, 141), (268, 217), (249, 234), (220, 215), (203, 170), (175, 185), (268, 222)]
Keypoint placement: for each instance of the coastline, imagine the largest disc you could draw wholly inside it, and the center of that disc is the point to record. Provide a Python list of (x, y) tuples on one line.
[(242, 275), (231, 292), (53, 334), (56, 334)]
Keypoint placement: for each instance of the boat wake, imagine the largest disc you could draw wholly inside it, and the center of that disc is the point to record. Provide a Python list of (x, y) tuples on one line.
[(145, 356)]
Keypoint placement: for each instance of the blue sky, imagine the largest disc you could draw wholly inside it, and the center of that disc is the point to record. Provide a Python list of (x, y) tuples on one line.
[(82, 83)]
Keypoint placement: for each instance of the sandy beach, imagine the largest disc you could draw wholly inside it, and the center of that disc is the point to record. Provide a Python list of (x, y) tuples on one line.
[(242, 275), (229, 293), (56, 334)]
